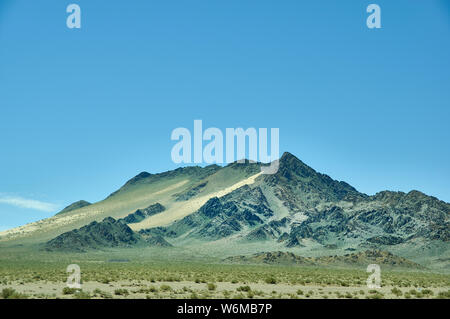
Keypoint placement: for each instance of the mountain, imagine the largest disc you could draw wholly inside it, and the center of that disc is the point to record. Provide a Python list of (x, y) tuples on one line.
[(74, 206), (235, 210), (318, 209)]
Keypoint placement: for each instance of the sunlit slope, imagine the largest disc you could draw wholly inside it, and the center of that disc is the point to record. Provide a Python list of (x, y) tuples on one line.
[(117, 206), (177, 210), (139, 192)]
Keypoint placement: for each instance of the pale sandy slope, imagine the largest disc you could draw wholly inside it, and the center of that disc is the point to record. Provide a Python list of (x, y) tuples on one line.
[(178, 210), (116, 207), (120, 206)]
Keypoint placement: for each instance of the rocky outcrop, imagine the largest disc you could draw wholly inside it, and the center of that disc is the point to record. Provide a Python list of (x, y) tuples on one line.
[(96, 235), (141, 214)]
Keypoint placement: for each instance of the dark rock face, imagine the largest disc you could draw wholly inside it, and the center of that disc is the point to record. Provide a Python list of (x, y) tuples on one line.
[(269, 231), (96, 235), (299, 186), (138, 177), (386, 240), (242, 209), (157, 231), (157, 241), (275, 257), (191, 192), (375, 222), (140, 214), (361, 258)]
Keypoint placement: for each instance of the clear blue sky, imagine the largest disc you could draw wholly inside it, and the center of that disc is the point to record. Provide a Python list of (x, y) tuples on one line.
[(82, 111)]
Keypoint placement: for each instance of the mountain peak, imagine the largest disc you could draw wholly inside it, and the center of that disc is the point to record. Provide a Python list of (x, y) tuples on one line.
[(287, 156), (138, 177), (290, 163), (73, 206), (306, 183)]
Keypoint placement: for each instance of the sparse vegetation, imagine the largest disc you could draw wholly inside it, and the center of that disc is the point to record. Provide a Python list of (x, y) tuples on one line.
[(165, 288), (134, 280), (69, 291), (121, 292), (9, 293), (81, 295), (271, 280), (396, 292), (444, 295)]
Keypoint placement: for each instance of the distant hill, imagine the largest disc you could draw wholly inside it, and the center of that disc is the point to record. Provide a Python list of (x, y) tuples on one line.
[(367, 257), (107, 233)]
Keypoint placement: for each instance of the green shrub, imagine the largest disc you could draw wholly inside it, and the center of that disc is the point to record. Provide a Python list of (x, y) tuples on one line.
[(82, 295), (244, 288), (211, 286), (396, 292), (427, 292), (444, 295), (271, 280), (152, 289), (9, 293), (97, 291), (165, 288), (193, 296), (413, 292), (69, 291), (121, 292), (375, 296), (102, 294)]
